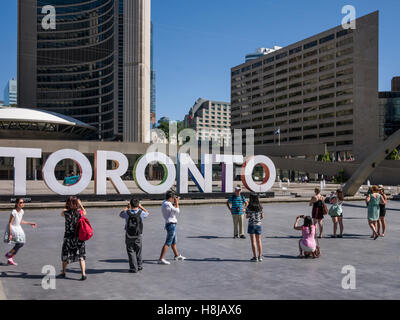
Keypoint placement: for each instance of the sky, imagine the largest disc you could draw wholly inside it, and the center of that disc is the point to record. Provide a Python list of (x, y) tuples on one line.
[(196, 43)]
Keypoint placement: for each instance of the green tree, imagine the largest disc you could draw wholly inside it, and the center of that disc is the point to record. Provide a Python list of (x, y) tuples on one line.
[(325, 158), (394, 155), (164, 126)]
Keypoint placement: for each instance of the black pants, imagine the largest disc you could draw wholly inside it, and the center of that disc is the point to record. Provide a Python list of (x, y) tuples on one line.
[(134, 250)]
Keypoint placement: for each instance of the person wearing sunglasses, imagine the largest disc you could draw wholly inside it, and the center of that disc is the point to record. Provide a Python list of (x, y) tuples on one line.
[(14, 233)]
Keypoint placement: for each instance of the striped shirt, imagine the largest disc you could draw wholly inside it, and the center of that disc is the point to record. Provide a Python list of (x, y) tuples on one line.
[(237, 203)]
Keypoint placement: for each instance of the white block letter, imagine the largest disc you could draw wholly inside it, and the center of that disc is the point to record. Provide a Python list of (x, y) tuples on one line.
[(20, 155), (227, 169), (202, 180), (169, 173), (81, 161), (269, 170), (102, 174)]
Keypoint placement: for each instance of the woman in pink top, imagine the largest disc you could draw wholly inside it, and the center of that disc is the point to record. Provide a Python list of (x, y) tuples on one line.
[(307, 243)]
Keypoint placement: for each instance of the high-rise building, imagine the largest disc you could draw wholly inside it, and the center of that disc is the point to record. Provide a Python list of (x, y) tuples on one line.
[(94, 66), (10, 93), (211, 120), (396, 84), (390, 109), (323, 89), (152, 83), (260, 52)]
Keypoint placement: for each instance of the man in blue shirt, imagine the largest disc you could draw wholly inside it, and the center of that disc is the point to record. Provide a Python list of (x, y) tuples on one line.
[(134, 242), (237, 206)]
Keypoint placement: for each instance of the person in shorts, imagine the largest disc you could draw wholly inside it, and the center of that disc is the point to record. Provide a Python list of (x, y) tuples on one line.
[(169, 209), (254, 212)]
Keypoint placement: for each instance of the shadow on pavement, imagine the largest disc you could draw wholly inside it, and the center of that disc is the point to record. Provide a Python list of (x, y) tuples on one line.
[(209, 237), (115, 261), (23, 275), (283, 237), (281, 256)]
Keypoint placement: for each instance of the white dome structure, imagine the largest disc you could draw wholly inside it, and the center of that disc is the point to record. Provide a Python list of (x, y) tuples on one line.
[(23, 123)]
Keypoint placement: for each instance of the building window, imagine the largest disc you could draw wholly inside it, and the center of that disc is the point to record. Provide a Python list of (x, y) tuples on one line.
[(343, 32), (281, 55), (327, 38), (295, 50), (310, 44), (310, 54), (344, 62)]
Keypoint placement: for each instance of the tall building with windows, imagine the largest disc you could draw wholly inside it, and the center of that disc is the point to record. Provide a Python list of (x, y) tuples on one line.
[(152, 84), (390, 110), (323, 89), (94, 66), (10, 93), (211, 120)]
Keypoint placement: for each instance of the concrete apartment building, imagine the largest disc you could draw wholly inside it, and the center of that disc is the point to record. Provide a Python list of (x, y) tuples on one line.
[(211, 120), (323, 89), (10, 93), (390, 109), (94, 66)]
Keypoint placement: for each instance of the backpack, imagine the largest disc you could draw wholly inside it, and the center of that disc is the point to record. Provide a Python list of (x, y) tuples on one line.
[(134, 225), (84, 229)]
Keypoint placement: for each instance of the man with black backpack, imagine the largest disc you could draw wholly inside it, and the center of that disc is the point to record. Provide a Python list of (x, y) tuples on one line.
[(134, 215)]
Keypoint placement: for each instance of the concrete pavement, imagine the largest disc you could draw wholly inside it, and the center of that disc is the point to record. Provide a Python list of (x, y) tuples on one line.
[(217, 266)]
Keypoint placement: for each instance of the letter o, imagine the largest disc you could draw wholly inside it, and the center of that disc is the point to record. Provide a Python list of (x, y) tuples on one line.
[(84, 167), (247, 172), (169, 173)]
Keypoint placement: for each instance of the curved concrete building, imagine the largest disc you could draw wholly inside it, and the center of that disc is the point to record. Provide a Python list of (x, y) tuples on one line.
[(83, 66)]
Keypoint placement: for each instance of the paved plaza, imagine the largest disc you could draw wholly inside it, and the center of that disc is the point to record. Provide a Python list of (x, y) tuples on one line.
[(217, 266)]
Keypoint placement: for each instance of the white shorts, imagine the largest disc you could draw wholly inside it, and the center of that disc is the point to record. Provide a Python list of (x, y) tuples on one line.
[(305, 248)]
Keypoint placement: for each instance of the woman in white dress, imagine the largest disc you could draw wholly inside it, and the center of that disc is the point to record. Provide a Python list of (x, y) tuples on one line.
[(14, 233)]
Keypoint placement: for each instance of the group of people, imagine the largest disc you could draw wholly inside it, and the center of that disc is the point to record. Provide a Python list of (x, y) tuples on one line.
[(73, 249)]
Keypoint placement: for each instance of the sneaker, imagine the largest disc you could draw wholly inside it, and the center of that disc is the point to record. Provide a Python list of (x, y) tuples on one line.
[(132, 271), (12, 262), (242, 236), (254, 259), (259, 259), (140, 268), (83, 278), (180, 258), (163, 261)]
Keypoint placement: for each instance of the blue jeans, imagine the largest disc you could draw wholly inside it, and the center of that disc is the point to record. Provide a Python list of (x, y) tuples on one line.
[(171, 234)]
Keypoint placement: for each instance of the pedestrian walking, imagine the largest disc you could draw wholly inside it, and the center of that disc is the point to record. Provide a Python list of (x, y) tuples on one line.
[(73, 249), (134, 214), (14, 233), (307, 244), (237, 204), (374, 200), (169, 209), (317, 203), (336, 212), (254, 212), (381, 223)]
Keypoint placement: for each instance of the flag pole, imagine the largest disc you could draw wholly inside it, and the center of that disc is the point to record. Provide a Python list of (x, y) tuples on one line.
[(279, 136)]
